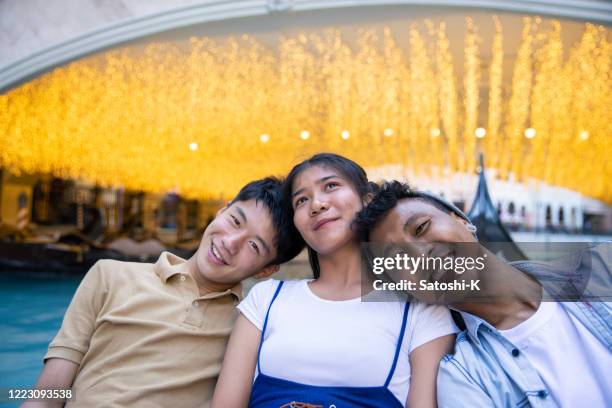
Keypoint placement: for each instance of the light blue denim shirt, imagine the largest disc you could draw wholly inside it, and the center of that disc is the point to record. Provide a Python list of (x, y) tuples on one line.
[(487, 370)]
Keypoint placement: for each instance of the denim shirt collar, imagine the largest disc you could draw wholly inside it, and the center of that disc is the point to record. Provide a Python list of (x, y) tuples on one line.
[(473, 324)]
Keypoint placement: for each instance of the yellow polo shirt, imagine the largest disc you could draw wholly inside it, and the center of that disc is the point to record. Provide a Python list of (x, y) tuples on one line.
[(144, 336)]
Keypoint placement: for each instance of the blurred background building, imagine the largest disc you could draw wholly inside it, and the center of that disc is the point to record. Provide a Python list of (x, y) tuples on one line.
[(139, 118), (125, 124)]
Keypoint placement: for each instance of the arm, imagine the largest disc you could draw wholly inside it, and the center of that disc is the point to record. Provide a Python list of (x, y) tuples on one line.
[(72, 341), (58, 374), (236, 379), (424, 362), (457, 389)]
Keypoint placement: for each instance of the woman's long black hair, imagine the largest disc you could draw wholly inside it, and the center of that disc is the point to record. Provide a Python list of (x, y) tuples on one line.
[(353, 173)]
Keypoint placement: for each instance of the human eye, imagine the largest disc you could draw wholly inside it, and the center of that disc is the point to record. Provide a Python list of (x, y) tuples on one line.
[(299, 201), (235, 220), (331, 185), (422, 227), (254, 246)]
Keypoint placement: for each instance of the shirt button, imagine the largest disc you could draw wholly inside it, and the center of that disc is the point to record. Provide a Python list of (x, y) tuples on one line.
[(542, 394), (195, 303), (182, 278), (515, 352)]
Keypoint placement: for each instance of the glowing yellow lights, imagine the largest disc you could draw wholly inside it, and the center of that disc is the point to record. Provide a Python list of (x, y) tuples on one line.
[(530, 133), (130, 117), (584, 135), (480, 132)]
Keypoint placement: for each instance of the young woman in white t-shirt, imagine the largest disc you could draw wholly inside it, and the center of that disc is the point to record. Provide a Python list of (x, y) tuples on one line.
[(321, 345)]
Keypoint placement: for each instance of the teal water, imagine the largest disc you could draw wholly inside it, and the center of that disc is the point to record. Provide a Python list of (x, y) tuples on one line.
[(31, 311)]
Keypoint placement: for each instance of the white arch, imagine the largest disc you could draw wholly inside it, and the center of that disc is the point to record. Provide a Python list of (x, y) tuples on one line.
[(24, 69)]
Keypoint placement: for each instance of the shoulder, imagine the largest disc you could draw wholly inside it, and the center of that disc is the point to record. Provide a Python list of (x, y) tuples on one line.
[(474, 363), (421, 307), (258, 300), (112, 271), (425, 315), (268, 286), (271, 285), (464, 349), (262, 292), (113, 266), (464, 362)]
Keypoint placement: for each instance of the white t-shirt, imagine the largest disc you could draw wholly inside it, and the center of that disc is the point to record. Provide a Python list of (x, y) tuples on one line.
[(575, 367), (321, 342)]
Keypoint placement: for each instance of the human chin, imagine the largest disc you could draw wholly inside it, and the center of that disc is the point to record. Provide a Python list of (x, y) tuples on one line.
[(204, 265), (332, 240)]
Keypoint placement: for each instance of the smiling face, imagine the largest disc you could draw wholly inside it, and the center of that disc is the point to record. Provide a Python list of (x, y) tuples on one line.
[(416, 221), (237, 244), (416, 228), (324, 204)]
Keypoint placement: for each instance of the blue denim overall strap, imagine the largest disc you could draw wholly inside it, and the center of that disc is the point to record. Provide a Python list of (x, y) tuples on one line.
[(271, 392)]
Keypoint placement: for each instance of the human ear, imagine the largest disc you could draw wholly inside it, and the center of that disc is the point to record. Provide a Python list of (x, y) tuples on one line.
[(468, 225), (267, 271)]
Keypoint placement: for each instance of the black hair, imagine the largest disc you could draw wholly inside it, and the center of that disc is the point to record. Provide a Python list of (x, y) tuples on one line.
[(353, 173), (386, 198), (268, 191)]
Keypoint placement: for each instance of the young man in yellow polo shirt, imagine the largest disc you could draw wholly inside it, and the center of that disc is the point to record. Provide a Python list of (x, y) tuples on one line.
[(153, 335)]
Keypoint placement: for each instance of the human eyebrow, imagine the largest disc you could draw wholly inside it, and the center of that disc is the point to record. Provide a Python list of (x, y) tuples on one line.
[(242, 214), (324, 179), (263, 244), (320, 181), (300, 191)]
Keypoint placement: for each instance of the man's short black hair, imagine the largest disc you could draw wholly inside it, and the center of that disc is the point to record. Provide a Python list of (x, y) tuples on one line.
[(268, 191), (386, 198)]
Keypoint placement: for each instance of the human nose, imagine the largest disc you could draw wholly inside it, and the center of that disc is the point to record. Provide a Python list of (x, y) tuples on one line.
[(318, 205), (423, 247), (231, 243)]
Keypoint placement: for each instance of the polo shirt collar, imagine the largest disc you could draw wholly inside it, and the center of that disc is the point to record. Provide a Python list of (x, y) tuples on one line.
[(168, 265)]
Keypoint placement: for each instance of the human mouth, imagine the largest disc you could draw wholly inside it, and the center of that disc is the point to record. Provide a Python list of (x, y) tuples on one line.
[(323, 223), (442, 274), (215, 256), (438, 275)]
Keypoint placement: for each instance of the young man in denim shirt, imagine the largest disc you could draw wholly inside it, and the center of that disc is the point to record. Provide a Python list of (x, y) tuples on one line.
[(517, 350)]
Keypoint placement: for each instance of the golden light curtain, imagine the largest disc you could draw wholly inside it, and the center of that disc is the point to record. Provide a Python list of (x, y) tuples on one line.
[(206, 117)]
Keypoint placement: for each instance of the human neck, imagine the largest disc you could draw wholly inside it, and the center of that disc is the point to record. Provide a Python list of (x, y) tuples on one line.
[(342, 268), (205, 286), (511, 298)]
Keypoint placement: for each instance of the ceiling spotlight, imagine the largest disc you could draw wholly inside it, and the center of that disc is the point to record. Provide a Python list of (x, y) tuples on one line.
[(264, 138), (193, 146), (345, 134), (530, 133), (435, 132), (388, 132), (480, 132), (304, 134)]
